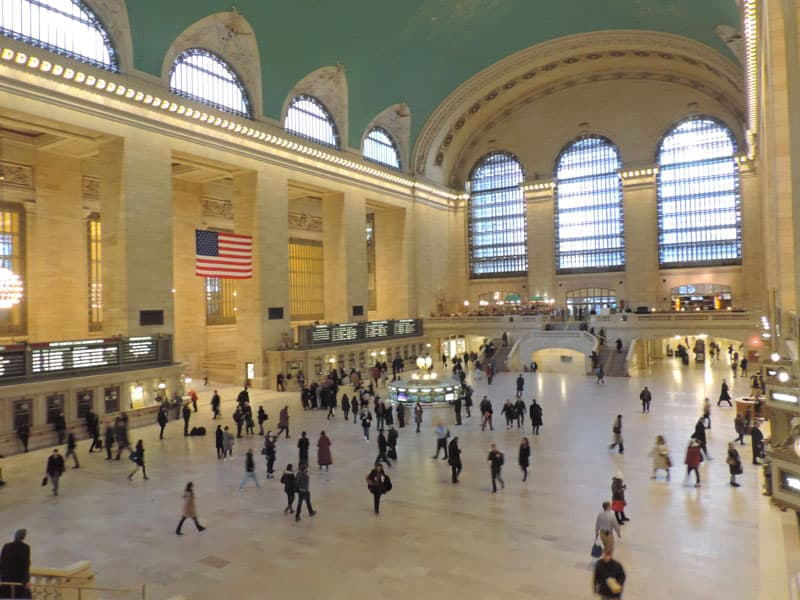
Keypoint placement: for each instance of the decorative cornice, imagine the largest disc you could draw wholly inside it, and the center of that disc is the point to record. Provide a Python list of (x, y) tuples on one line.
[(304, 222), (214, 207), (17, 176), (558, 64)]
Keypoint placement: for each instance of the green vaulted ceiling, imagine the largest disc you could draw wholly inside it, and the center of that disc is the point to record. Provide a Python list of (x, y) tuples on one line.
[(417, 51)]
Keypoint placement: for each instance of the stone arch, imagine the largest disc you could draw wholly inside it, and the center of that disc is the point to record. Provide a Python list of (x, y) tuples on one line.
[(396, 120), (329, 86), (231, 37), (557, 65)]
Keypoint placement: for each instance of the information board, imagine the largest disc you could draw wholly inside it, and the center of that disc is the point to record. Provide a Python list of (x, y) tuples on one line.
[(140, 350), (12, 361), (348, 333), (83, 354)]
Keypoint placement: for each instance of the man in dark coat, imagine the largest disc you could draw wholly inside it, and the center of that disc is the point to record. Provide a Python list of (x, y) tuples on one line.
[(54, 469), (215, 402), (161, 419), (24, 432), (757, 440), (187, 414), (93, 429), (457, 409), (454, 458), (536, 416), (15, 567), (218, 439), (700, 436), (520, 385), (60, 425), (401, 415), (645, 397)]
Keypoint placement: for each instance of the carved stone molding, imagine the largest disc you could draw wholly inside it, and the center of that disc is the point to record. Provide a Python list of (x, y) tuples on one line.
[(214, 207), (304, 222), (17, 176), (90, 187), (573, 60)]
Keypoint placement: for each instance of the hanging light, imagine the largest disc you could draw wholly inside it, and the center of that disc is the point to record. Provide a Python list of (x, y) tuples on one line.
[(10, 288)]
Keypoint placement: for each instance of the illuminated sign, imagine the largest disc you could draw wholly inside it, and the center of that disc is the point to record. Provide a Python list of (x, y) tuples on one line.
[(790, 482), (781, 397), (347, 333)]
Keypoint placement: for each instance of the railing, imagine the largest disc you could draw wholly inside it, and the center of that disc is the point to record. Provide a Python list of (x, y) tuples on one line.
[(75, 582), (674, 317)]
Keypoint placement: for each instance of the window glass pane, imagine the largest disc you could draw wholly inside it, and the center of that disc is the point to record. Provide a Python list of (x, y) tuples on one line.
[(308, 118), (498, 238), (204, 77), (12, 257), (306, 280), (379, 147), (220, 301), (372, 275), (699, 212), (67, 27), (589, 220), (95, 274)]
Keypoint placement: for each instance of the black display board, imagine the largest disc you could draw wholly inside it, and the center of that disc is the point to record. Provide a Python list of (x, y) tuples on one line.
[(12, 361), (368, 331), (68, 356)]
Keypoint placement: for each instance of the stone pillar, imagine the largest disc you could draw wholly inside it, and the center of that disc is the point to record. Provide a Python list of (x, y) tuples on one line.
[(344, 244), (540, 206), (392, 263), (639, 207), (261, 208), (137, 233), (754, 292)]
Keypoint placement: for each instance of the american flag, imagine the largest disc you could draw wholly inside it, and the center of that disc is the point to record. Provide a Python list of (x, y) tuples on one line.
[(223, 255)]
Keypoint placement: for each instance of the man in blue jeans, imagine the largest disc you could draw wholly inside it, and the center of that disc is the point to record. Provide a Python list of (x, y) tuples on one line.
[(55, 468)]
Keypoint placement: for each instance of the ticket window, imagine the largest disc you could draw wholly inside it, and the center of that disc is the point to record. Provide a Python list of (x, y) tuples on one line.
[(137, 396), (85, 401), (55, 406), (23, 414), (111, 399)]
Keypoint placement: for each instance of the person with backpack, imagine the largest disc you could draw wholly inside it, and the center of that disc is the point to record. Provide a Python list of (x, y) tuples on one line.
[(287, 479), (378, 483), (496, 460)]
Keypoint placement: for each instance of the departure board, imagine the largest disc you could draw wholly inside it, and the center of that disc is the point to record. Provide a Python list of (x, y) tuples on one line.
[(12, 361), (67, 356), (348, 333), (140, 350)]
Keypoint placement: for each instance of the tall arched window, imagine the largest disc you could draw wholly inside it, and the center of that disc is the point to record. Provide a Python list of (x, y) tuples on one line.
[(308, 118), (699, 211), (497, 230), (202, 76), (67, 27), (589, 224), (379, 147)]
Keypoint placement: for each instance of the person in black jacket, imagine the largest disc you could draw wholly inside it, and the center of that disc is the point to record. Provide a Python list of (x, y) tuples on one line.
[(215, 402), (138, 458), (757, 441), (724, 394), (110, 435), (536, 416), (302, 447), (218, 437), (15, 567), (700, 435), (161, 419), (378, 483), (401, 415), (524, 457), (269, 453), (303, 493), (187, 414), (60, 425), (287, 479), (391, 440), (93, 429), (249, 470), (354, 407), (454, 458), (23, 433), (54, 469), (71, 446), (607, 571), (382, 446), (457, 409), (496, 461)]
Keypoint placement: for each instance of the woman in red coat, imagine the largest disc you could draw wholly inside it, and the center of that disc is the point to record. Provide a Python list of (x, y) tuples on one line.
[(324, 458), (693, 459)]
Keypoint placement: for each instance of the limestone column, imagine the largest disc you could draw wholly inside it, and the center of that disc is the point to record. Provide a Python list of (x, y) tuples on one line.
[(344, 245), (640, 213), (137, 233), (392, 264), (261, 207), (753, 294), (540, 207)]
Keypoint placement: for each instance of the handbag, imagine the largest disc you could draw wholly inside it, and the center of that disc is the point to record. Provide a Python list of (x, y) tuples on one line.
[(597, 549), (44, 481)]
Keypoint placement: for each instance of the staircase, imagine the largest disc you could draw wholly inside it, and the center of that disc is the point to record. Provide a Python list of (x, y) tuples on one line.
[(615, 364), (500, 356)]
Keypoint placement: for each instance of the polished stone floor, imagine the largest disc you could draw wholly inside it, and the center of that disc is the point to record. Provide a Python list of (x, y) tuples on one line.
[(432, 540)]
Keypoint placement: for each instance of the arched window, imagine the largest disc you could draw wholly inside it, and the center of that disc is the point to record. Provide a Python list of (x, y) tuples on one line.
[(202, 76), (67, 27), (308, 118), (589, 225), (379, 147), (497, 230), (699, 211)]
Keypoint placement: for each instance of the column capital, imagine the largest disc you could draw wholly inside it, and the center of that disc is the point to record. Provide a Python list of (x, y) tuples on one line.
[(638, 176), (539, 190)]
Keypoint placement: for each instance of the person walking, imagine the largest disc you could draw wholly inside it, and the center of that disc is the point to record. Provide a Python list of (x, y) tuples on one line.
[(137, 456), (302, 450), (616, 430), (442, 435), (700, 436), (536, 416), (269, 454), (60, 425), (724, 395), (283, 422), (618, 502), (54, 469), (189, 510), (739, 424), (72, 445), (238, 418), (519, 412), (454, 459), (693, 459), (457, 409), (496, 460), (378, 483), (93, 429), (382, 449), (227, 442), (520, 385), (645, 396), (600, 373), (391, 440), (734, 463), (609, 577), (486, 413), (524, 457), (121, 435), (161, 419), (366, 421), (15, 567), (345, 407), (354, 408), (215, 402), (218, 439), (468, 400), (262, 416), (660, 455), (301, 484), (401, 415), (418, 415), (24, 433), (109, 435), (324, 457), (756, 441), (287, 479), (605, 525), (249, 470), (707, 413), (186, 412), (510, 413)]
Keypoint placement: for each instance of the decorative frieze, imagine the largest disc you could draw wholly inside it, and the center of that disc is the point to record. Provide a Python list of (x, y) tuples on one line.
[(91, 188), (304, 222), (16, 176), (214, 207)]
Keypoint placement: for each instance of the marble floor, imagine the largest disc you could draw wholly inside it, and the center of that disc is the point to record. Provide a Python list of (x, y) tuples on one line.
[(432, 540)]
